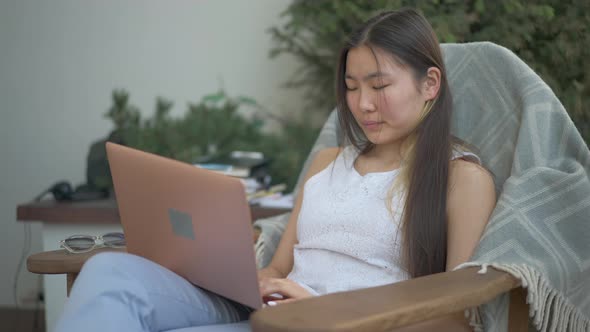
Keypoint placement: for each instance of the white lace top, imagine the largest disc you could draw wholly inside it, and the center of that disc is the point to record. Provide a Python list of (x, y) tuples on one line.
[(347, 237)]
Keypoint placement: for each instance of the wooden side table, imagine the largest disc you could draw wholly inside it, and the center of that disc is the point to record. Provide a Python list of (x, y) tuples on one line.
[(100, 211)]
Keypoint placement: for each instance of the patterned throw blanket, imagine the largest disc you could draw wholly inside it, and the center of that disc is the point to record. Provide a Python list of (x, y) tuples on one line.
[(540, 229)]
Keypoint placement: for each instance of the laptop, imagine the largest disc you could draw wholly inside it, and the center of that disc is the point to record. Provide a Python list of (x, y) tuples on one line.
[(192, 221)]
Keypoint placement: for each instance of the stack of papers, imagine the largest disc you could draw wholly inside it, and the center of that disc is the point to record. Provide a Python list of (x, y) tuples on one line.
[(231, 170), (277, 201)]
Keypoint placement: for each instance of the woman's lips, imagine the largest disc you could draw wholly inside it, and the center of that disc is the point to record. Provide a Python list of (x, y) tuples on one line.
[(372, 125)]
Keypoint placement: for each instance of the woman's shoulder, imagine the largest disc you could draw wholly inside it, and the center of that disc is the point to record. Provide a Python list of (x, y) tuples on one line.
[(345, 155), (466, 162), (469, 176), (463, 152), (322, 159)]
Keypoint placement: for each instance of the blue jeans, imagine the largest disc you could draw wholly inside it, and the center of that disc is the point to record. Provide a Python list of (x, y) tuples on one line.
[(124, 292)]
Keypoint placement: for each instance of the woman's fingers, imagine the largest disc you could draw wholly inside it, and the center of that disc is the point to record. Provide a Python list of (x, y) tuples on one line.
[(269, 286), (274, 285), (285, 287), (272, 297), (277, 302), (285, 301)]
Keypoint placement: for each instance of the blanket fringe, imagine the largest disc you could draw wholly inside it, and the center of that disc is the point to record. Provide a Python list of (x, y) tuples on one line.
[(548, 309)]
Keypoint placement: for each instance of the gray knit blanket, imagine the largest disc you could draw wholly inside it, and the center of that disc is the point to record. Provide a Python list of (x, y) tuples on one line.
[(540, 229)]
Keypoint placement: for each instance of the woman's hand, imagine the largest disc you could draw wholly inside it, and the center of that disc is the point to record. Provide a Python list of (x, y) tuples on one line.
[(288, 289)]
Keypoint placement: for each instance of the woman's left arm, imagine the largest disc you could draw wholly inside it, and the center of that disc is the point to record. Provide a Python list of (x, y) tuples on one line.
[(470, 201)]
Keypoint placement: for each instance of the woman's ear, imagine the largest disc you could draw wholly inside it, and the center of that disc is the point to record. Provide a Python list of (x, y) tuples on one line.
[(431, 83)]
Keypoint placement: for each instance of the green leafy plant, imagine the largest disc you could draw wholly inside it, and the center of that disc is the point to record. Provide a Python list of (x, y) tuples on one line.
[(213, 126), (552, 36)]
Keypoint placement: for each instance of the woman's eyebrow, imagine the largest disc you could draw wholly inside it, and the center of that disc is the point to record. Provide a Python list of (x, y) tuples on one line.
[(369, 76)]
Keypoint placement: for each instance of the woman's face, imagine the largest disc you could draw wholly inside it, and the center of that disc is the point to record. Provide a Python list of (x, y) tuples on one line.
[(384, 99)]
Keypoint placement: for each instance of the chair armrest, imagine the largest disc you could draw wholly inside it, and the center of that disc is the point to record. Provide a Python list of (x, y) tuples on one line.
[(61, 261), (386, 307)]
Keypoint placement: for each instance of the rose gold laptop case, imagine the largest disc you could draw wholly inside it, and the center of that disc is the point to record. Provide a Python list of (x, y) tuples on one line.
[(192, 221)]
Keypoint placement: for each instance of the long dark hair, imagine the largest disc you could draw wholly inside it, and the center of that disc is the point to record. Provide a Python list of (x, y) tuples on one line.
[(408, 37)]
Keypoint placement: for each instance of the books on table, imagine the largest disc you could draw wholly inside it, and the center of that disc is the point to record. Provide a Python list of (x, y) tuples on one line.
[(252, 169)]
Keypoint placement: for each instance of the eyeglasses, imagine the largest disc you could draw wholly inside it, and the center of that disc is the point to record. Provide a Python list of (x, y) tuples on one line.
[(78, 244)]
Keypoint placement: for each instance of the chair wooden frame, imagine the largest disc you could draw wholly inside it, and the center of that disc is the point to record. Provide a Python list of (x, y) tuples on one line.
[(373, 309), (388, 307)]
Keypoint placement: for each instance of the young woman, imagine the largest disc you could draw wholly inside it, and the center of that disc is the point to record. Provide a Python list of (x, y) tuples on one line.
[(403, 199)]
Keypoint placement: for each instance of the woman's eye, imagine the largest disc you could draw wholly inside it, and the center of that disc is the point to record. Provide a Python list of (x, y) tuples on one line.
[(350, 89), (380, 87)]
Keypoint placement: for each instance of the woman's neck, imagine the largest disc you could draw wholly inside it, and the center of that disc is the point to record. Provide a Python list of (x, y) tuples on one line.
[(387, 156)]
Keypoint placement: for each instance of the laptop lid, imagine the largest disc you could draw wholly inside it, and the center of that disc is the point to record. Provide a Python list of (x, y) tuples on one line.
[(192, 221)]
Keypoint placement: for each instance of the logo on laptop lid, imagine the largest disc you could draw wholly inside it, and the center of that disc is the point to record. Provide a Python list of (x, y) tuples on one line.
[(182, 223)]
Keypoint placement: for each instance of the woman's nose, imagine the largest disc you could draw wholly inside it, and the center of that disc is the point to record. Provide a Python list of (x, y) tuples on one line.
[(367, 103)]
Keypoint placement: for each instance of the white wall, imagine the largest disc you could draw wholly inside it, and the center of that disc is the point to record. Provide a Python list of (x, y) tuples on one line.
[(61, 59)]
